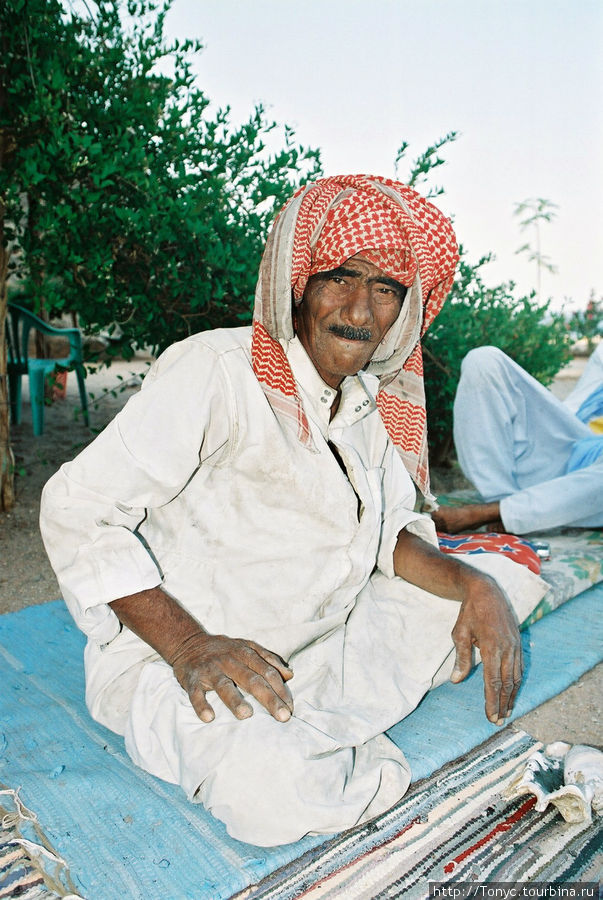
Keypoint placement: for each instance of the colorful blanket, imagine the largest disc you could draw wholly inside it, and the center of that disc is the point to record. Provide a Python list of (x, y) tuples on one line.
[(455, 826), (575, 564)]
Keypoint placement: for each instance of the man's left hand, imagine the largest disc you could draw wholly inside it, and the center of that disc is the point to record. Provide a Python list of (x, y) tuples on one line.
[(487, 621)]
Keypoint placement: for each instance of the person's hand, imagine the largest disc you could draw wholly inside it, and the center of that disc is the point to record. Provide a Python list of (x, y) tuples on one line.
[(455, 519), (214, 662), (487, 621)]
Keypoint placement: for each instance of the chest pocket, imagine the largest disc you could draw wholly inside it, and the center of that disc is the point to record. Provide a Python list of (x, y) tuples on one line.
[(367, 483)]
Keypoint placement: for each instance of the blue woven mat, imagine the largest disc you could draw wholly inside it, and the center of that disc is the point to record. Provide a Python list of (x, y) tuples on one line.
[(125, 833)]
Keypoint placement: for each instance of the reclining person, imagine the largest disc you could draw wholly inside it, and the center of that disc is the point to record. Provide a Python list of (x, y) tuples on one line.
[(240, 544), (536, 461)]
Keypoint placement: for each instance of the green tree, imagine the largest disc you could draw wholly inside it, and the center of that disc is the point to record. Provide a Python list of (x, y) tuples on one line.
[(422, 167), (535, 211), (588, 323), (475, 315), (123, 197)]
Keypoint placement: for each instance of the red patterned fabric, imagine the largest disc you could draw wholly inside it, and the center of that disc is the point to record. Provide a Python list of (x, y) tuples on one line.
[(322, 226), (273, 371), (406, 424), (515, 548)]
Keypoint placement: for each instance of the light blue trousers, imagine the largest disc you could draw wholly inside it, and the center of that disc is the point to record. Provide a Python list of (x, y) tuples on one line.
[(513, 440)]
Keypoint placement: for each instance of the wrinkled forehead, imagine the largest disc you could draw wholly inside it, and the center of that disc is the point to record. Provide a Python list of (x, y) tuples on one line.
[(363, 224)]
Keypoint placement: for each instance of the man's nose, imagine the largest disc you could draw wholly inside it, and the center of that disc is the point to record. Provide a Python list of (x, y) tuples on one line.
[(359, 310)]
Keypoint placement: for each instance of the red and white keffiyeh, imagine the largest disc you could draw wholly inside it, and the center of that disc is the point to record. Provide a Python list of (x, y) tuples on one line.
[(323, 225)]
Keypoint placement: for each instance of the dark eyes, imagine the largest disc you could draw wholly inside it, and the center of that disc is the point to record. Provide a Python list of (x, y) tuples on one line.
[(341, 287), (382, 288), (341, 284)]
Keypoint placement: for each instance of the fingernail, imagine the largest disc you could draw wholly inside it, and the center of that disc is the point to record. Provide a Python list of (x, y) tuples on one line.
[(456, 674), (244, 711), (283, 715), (500, 721), (207, 716)]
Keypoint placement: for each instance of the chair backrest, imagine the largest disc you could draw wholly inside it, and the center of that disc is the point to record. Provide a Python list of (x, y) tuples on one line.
[(19, 323)]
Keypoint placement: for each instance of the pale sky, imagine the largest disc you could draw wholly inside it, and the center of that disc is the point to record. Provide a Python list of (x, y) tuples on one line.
[(521, 80)]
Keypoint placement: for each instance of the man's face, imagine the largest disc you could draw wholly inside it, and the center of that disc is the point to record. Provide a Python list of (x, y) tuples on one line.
[(344, 315)]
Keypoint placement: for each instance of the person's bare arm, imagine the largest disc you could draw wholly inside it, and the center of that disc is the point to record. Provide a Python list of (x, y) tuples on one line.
[(208, 662), (485, 619), (453, 519)]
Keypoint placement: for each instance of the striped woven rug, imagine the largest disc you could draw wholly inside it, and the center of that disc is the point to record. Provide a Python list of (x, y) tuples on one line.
[(30, 869), (452, 827)]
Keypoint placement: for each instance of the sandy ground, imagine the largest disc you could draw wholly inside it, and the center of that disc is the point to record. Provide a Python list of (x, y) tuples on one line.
[(27, 579)]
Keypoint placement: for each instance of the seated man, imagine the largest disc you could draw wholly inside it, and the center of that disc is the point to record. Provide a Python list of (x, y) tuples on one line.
[(240, 546), (533, 458)]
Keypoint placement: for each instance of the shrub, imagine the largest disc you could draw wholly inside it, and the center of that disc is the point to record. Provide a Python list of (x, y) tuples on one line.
[(475, 315), (125, 198), (588, 323)]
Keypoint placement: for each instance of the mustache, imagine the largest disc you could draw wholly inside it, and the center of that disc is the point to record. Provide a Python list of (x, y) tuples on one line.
[(350, 333)]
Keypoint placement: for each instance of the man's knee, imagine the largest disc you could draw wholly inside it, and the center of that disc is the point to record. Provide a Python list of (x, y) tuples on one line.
[(481, 362), (263, 797)]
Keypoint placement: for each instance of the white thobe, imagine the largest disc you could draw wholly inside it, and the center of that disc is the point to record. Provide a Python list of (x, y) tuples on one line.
[(514, 439), (199, 486)]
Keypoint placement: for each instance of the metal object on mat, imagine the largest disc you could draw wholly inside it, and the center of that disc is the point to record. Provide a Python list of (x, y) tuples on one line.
[(542, 549)]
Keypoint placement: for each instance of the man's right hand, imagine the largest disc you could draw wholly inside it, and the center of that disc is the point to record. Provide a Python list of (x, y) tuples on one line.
[(214, 662), (205, 662)]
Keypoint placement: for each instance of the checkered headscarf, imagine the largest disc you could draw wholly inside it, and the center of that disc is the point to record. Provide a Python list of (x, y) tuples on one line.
[(322, 226)]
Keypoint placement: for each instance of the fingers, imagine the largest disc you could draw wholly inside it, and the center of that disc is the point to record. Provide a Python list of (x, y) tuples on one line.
[(464, 655), (512, 674), (517, 676), (232, 698), (486, 620), (273, 670), (260, 679), (225, 665), (200, 704), (492, 688), (502, 678), (274, 659)]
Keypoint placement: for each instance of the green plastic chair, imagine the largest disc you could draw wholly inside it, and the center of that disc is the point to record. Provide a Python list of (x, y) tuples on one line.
[(19, 323)]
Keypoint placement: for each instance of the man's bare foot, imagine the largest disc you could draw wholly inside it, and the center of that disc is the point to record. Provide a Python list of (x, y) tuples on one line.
[(453, 519)]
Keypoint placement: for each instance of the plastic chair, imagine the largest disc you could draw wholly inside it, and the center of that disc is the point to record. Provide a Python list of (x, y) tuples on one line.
[(19, 323)]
